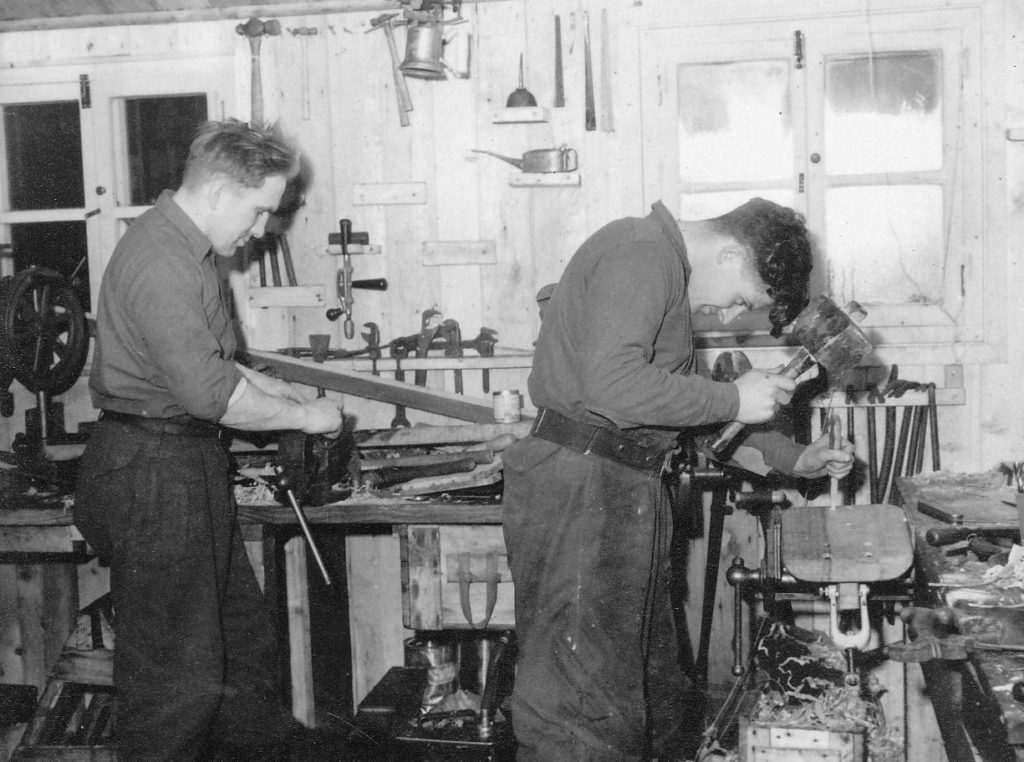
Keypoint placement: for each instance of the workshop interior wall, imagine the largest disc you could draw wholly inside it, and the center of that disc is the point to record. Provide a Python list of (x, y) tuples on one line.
[(334, 93)]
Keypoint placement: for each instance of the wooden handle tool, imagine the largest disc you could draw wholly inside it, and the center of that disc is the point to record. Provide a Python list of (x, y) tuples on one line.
[(835, 442)]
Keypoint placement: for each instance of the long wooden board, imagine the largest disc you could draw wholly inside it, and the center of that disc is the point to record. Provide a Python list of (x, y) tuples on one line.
[(458, 406)]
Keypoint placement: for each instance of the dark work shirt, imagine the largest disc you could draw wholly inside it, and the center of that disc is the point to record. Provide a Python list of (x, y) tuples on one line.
[(616, 342), (164, 339)]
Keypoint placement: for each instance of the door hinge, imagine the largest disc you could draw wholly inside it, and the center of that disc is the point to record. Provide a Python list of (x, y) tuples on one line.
[(798, 48), (84, 94)]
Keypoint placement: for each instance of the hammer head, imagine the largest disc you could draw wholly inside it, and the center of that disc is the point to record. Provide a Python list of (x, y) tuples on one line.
[(255, 27), (832, 335)]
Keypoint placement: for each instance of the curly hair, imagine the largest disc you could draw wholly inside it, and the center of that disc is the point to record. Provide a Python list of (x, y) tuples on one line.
[(777, 238), (246, 154)]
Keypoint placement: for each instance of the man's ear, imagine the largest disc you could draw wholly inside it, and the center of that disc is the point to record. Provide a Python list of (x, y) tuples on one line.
[(731, 252), (216, 192)]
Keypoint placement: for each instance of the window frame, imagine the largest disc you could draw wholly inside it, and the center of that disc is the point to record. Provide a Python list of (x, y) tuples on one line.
[(901, 332), (104, 134)]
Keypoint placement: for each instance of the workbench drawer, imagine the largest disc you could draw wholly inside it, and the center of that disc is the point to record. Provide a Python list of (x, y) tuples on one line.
[(455, 576)]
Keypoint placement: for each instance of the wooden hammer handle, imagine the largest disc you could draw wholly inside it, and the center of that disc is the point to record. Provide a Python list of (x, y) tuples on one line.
[(801, 361), (401, 88)]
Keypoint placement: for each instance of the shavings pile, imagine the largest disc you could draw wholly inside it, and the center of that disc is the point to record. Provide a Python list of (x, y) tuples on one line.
[(837, 708), (251, 487)]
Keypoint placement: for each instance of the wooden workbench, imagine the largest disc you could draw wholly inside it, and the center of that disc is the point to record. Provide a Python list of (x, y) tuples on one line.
[(38, 541), (971, 698)]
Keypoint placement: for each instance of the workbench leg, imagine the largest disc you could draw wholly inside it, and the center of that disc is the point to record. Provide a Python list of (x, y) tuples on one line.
[(945, 687), (252, 540), (299, 639)]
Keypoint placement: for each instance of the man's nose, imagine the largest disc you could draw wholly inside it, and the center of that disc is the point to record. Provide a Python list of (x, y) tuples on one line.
[(260, 226)]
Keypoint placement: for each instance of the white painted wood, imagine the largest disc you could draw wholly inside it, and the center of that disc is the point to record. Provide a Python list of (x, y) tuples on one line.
[(520, 115), (287, 296), (390, 193), (548, 179), (437, 253)]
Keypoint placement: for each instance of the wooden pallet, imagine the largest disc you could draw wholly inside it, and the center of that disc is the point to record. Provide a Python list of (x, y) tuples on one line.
[(75, 715)]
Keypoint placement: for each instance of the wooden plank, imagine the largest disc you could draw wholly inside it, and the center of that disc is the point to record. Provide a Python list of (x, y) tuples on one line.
[(299, 640), (94, 667), (287, 296), (376, 388), (365, 194), (437, 253), (545, 180), (375, 608), (384, 512), (421, 578), (846, 543), (27, 539), (428, 435)]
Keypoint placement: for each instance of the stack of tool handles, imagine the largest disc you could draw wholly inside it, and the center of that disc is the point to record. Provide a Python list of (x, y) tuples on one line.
[(904, 437)]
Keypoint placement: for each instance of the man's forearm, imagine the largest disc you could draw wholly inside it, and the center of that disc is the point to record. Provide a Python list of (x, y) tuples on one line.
[(254, 410)]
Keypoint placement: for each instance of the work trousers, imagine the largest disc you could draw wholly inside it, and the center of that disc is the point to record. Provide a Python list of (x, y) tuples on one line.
[(195, 652), (598, 676)]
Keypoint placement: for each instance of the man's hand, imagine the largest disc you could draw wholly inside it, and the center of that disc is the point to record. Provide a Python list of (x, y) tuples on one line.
[(762, 394), (818, 459), (323, 416)]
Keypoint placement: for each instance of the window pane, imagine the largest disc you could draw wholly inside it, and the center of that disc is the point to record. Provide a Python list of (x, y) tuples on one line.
[(883, 113), (734, 122), (60, 246), (44, 155), (159, 133), (884, 243)]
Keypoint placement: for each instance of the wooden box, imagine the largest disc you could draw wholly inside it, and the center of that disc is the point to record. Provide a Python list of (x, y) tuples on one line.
[(776, 743), (455, 576)]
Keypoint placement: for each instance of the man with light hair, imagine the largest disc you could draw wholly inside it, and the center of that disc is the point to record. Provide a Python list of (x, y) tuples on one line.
[(195, 653)]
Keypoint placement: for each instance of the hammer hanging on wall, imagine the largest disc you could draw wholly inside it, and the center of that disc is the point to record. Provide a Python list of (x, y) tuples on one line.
[(254, 30), (385, 21)]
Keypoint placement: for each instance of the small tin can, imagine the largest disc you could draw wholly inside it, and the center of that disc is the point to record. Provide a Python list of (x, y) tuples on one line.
[(508, 406)]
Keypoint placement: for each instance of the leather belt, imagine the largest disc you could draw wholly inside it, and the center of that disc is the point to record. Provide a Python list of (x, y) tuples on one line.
[(178, 425), (602, 441)]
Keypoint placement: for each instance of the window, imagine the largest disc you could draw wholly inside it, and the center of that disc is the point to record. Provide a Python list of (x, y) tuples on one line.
[(44, 192), (82, 153), (873, 133)]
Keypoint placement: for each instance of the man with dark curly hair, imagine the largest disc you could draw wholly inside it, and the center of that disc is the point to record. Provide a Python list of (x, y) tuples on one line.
[(587, 519)]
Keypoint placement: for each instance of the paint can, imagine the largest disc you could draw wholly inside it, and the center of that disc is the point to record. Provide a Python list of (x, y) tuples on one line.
[(508, 406)]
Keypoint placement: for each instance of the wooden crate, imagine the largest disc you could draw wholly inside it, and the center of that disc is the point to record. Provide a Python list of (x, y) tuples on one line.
[(450, 576), (776, 743), (74, 718)]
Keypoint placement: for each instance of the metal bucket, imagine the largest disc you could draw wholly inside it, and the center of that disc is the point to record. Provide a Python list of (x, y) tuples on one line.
[(423, 50)]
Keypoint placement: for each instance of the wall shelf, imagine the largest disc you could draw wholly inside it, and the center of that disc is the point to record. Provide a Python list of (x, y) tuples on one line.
[(545, 179), (520, 115)]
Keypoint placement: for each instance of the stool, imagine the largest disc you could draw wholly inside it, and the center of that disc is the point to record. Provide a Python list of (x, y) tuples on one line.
[(75, 715)]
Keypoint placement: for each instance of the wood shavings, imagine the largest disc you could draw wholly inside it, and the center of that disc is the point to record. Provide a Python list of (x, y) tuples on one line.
[(251, 488), (838, 708)]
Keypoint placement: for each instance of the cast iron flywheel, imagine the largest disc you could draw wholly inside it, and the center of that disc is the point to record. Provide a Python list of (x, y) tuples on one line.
[(44, 338)]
